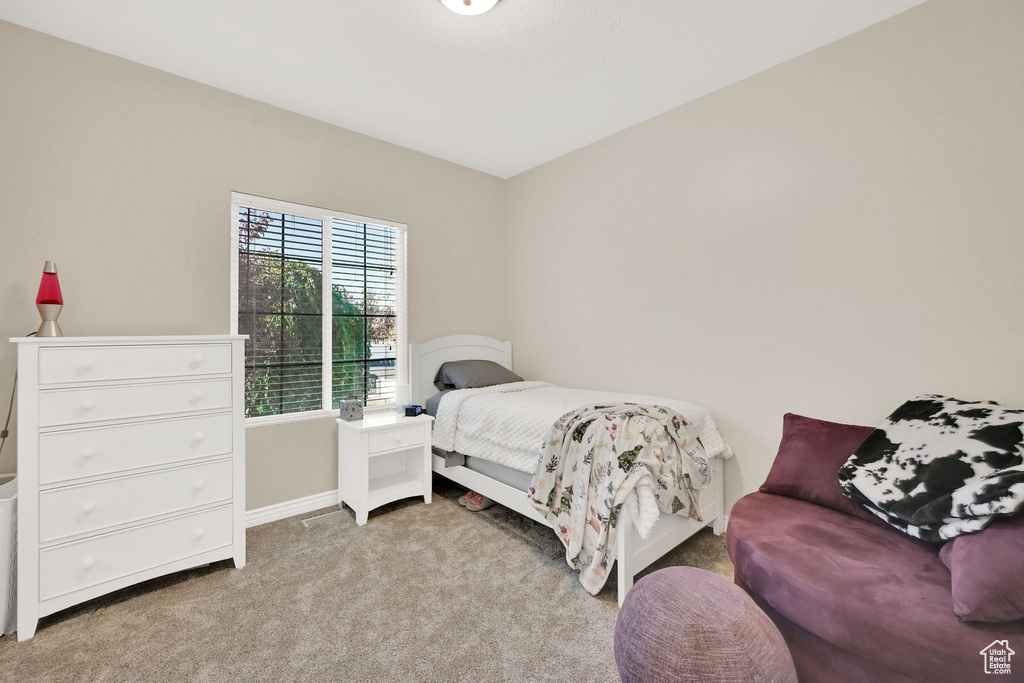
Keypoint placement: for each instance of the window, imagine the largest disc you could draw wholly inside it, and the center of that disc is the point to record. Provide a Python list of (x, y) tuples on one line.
[(321, 295)]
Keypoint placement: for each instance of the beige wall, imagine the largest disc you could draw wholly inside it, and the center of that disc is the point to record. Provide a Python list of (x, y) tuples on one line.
[(829, 237), (122, 174)]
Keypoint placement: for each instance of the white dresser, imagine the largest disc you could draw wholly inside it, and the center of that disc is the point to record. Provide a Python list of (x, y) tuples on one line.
[(131, 463)]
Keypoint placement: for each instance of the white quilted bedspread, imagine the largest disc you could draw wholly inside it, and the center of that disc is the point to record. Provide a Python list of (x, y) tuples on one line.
[(508, 423)]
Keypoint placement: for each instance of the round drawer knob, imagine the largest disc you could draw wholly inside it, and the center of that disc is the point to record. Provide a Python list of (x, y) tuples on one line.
[(88, 363), (398, 438), (89, 563), (88, 453), (200, 533), (88, 507), (197, 397), (200, 485), (88, 404), (198, 437), (197, 360)]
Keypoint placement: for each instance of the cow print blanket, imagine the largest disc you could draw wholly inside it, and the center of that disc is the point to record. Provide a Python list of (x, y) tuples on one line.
[(939, 467)]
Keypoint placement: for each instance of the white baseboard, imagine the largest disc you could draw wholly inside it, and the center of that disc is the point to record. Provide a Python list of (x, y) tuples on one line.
[(290, 508)]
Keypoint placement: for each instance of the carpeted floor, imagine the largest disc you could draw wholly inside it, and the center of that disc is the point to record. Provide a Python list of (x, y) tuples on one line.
[(421, 593)]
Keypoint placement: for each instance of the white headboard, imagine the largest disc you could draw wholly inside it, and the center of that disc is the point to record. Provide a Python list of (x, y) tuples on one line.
[(426, 358)]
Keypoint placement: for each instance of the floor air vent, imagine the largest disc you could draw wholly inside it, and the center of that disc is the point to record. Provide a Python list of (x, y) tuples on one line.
[(326, 518)]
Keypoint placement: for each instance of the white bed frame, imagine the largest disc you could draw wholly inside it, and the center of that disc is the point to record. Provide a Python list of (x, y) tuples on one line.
[(633, 553)]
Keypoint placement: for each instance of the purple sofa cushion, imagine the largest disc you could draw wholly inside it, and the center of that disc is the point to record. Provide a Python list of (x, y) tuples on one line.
[(988, 581), (817, 661), (867, 589), (807, 464)]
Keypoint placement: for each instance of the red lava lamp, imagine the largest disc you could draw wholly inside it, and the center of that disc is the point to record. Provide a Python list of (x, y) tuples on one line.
[(49, 302)]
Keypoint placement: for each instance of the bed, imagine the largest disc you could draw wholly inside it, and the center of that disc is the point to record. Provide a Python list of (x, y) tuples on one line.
[(507, 487)]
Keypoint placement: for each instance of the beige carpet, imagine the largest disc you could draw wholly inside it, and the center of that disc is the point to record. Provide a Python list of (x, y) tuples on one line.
[(421, 593)]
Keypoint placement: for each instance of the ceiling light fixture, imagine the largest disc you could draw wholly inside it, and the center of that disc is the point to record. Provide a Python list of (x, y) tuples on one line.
[(469, 7)]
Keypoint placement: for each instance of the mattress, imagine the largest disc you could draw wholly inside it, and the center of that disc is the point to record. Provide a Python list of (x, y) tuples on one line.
[(506, 475), (507, 424)]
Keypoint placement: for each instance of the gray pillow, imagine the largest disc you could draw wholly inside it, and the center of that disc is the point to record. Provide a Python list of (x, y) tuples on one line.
[(472, 374)]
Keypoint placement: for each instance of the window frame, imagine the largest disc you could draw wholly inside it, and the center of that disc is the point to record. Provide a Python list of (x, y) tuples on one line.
[(240, 200)]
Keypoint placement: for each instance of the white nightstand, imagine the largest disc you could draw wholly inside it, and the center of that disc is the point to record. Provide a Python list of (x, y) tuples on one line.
[(382, 458)]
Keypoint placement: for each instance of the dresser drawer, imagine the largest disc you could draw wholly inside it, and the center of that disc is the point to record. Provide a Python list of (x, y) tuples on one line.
[(63, 364), (395, 438), (74, 566), (80, 453), (92, 404), (92, 507)]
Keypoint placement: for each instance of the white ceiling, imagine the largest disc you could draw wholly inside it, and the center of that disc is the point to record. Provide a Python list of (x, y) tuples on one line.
[(502, 92)]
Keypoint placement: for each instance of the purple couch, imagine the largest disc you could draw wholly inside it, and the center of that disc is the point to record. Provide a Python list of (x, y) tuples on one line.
[(857, 601)]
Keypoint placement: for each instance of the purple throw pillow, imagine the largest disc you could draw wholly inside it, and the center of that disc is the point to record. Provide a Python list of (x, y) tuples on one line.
[(807, 464), (988, 584)]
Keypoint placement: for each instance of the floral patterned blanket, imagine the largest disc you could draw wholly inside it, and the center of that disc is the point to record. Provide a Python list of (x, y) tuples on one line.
[(600, 457)]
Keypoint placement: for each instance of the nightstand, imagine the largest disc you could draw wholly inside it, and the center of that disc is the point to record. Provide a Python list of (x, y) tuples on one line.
[(383, 458)]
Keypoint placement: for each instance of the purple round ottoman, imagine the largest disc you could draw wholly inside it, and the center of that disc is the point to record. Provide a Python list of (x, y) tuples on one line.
[(687, 624)]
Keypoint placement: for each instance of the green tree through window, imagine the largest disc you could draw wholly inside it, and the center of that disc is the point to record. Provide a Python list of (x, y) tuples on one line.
[(281, 307)]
